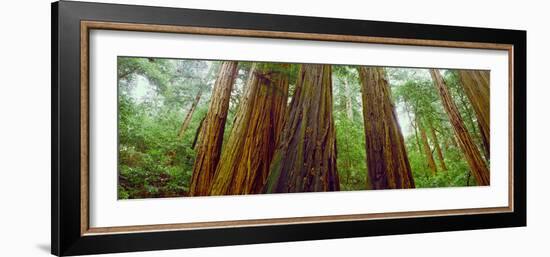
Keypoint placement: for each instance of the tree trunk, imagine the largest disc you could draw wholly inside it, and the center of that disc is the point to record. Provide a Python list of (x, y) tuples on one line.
[(446, 145), (438, 151), (414, 127), (427, 148), (189, 115), (476, 88), (453, 141), (211, 135), (486, 143), (305, 159), (484, 76), (387, 162), (197, 133), (349, 109), (471, 152), (244, 165), (476, 131)]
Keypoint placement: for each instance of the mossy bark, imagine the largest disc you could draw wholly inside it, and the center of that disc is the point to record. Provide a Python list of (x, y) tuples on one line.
[(305, 159), (387, 162)]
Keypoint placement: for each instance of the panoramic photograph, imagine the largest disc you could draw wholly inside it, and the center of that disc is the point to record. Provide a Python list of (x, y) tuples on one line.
[(219, 127)]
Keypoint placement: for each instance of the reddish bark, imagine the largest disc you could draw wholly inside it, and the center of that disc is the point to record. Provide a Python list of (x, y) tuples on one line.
[(438, 151), (427, 150), (470, 150), (211, 135), (245, 161), (305, 159), (189, 114), (387, 162), (476, 88)]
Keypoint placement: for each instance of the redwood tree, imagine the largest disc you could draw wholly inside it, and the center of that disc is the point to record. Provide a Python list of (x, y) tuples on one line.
[(305, 159), (437, 147), (413, 126), (476, 88), (427, 148), (347, 98), (387, 162), (245, 160), (189, 114), (471, 152), (211, 134)]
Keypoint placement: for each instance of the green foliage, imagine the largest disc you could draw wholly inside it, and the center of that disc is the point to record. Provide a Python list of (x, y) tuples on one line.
[(457, 174), (153, 162), (350, 135), (157, 71), (413, 89), (351, 162)]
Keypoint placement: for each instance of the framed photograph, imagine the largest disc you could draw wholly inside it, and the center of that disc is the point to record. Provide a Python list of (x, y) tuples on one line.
[(178, 128)]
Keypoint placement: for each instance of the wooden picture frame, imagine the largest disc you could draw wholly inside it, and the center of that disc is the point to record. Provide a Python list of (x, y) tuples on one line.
[(71, 25)]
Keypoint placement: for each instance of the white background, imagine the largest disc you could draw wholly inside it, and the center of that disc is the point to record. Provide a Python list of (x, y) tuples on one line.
[(106, 211), (25, 128)]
